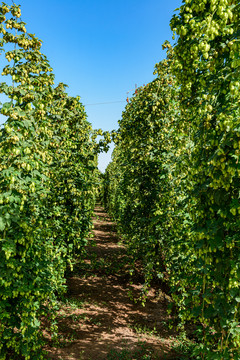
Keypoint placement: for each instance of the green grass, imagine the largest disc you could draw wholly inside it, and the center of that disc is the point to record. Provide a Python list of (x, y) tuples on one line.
[(142, 353), (143, 329), (73, 303)]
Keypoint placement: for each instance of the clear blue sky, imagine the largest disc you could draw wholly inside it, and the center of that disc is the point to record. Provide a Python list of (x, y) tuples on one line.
[(101, 49)]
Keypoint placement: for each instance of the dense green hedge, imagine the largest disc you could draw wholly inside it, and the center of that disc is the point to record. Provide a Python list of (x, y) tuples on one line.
[(48, 179), (173, 185), (138, 177), (207, 65)]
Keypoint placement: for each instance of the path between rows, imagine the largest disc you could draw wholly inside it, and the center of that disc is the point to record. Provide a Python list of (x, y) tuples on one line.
[(99, 312)]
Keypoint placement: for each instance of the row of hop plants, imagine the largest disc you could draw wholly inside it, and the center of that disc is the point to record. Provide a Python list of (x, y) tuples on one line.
[(173, 183), (48, 179)]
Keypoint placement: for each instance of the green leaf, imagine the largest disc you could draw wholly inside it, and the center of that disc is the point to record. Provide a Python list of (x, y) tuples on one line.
[(2, 224)]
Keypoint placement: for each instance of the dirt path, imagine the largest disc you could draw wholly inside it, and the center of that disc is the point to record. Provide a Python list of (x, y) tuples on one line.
[(99, 319)]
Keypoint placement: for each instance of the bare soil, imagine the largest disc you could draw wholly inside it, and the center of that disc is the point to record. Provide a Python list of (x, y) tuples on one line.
[(101, 312)]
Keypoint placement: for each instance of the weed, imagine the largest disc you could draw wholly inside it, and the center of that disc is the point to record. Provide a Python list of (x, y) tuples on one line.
[(184, 347), (61, 341), (141, 353), (143, 329), (95, 321), (72, 317), (73, 303)]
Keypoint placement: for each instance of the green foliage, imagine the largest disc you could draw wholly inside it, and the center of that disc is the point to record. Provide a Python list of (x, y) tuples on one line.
[(48, 182), (207, 65), (138, 181), (173, 185)]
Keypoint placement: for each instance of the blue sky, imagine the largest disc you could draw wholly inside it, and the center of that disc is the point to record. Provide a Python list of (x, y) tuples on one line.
[(101, 49)]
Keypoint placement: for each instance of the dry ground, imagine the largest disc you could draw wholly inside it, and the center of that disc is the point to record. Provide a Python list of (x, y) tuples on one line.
[(100, 315)]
